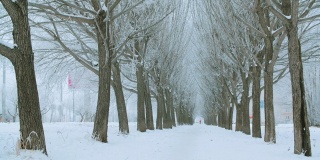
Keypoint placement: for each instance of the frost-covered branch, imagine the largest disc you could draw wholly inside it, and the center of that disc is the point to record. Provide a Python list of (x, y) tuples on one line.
[(307, 9), (126, 10), (311, 18), (282, 17), (54, 12), (250, 26), (55, 35)]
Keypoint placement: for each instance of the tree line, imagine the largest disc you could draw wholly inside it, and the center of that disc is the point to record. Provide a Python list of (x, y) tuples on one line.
[(247, 43), (139, 46), (104, 37)]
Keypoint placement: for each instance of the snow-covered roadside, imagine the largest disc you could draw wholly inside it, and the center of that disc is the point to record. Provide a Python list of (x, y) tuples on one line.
[(67, 141)]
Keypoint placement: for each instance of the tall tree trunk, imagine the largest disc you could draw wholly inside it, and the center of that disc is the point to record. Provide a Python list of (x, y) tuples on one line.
[(141, 115), (234, 98), (220, 118), (28, 102), (300, 116), (22, 58), (179, 115), (173, 117), (121, 106), (160, 107), (149, 113), (214, 119), (141, 126), (245, 102), (141, 119), (185, 115), (271, 53), (270, 133), (226, 108), (226, 117), (230, 116), (239, 117), (172, 112), (256, 92), (100, 127), (169, 105), (164, 111), (302, 142)]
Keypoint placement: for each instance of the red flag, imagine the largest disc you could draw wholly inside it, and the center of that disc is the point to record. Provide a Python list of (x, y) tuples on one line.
[(70, 81)]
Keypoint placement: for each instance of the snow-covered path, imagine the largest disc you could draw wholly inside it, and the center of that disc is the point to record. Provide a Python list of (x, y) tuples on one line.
[(66, 141)]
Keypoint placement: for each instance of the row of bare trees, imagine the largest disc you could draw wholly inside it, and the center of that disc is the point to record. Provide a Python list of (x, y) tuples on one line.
[(109, 38), (245, 43)]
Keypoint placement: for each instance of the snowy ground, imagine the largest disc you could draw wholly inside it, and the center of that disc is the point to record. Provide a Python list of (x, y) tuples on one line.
[(71, 141)]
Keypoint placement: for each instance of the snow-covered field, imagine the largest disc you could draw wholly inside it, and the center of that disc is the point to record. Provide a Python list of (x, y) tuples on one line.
[(71, 141)]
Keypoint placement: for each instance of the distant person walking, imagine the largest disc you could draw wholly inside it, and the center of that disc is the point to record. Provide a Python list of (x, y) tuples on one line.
[(200, 121)]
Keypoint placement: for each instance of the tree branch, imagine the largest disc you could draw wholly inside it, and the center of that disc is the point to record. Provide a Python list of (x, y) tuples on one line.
[(82, 9), (125, 11), (130, 89), (277, 48), (307, 10), (131, 36), (114, 5), (54, 12), (250, 26), (277, 32), (277, 4), (56, 37), (10, 7), (278, 14), (312, 18), (8, 51), (233, 97)]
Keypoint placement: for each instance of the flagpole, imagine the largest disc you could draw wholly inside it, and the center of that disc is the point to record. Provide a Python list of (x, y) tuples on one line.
[(73, 104), (4, 94)]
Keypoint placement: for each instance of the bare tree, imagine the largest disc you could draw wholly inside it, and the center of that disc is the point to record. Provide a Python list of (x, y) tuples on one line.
[(291, 9), (22, 58), (271, 53), (104, 36), (119, 34)]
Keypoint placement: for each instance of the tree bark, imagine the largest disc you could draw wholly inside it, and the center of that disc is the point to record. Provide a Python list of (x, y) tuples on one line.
[(121, 106), (149, 113), (172, 110), (302, 142), (239, 117), (173, 117), (230, 116), (227, 108), (179, 109), (256, 94), (28, 102), (169, 105), (22, 58), (270, 133), (244, 102), (160, 108), (214, 119), (220, 118), (100, 127), (264, 20), (141, 116)]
